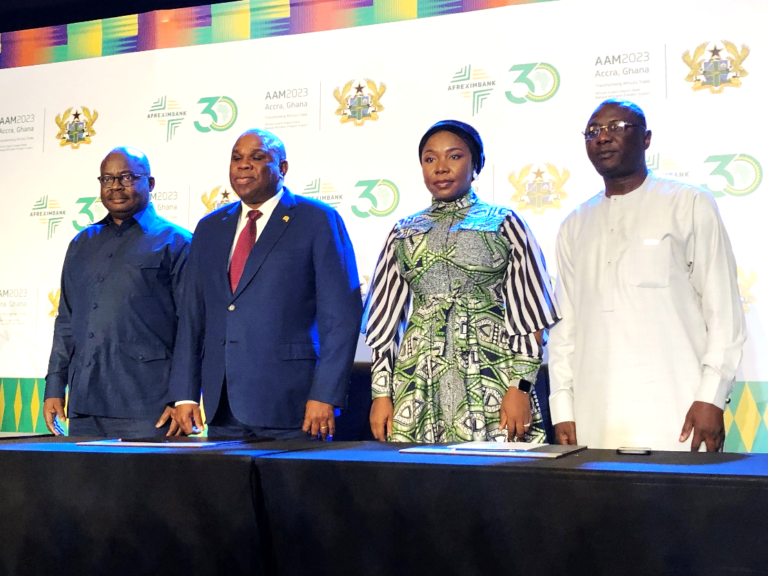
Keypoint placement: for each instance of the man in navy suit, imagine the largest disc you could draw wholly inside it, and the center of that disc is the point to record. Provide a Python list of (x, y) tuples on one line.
[(271, 308)]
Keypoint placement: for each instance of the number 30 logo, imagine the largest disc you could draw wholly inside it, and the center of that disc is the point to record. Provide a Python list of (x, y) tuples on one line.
[(382, 195), (87, 203), (543, 74), (223, 113), (742, 173)]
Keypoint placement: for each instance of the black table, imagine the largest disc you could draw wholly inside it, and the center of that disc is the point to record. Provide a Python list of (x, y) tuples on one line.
[(296, 508), (66, 509), (366, 509)]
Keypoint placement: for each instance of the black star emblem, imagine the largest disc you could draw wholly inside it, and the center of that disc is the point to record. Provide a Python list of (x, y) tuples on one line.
[(76, 116), (539, 174), (225, 195), (715, 52), (359, 88)]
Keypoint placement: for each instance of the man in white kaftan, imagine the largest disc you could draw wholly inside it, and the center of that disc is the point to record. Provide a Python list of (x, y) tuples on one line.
[(653, 326)]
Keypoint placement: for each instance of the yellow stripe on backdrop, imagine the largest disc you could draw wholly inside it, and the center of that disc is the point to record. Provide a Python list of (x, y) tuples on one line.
[(395, 10), (21, 405), (230, 21), (746, 418), (86, 40)]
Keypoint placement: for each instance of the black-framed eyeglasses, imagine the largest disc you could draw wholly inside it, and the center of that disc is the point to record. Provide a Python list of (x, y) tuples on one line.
[(124, 179), (617, 127)]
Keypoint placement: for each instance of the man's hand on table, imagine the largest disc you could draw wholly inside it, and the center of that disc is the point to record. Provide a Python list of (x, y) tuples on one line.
[(51, 408), (188, 418), (174, 429), (318, 419), (706, 422), (565, 433)]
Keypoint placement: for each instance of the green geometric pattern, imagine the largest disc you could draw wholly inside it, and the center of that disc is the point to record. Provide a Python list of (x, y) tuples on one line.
[(454, 364), (21, 405), (745, 418)]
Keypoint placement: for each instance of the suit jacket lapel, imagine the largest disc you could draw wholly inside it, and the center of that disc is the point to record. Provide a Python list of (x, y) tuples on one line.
[(276, 226)]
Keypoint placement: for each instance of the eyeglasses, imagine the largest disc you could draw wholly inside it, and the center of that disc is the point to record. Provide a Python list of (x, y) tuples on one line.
[(124, 179), (617, 127)]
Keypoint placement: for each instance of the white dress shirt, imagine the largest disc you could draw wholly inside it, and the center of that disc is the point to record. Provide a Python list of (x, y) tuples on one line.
[(266, 212), (652, 319)]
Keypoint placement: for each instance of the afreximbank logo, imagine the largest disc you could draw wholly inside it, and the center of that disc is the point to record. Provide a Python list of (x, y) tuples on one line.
[(741, 174), (667, 166), (49, 213), (536, 82), (474, 84), (323, 191), (168, 114)]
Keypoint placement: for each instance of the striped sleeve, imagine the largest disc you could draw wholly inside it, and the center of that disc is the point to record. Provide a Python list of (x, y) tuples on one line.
[(529, 300), (385, 316)]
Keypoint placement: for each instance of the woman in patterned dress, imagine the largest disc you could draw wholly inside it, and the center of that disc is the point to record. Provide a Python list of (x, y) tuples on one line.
[(475, 282)]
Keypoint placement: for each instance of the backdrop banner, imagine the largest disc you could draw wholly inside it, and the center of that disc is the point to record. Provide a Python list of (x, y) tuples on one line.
[(351, 102)]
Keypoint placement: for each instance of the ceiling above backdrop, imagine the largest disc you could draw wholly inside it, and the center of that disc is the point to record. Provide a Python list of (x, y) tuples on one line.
[(48, 31)]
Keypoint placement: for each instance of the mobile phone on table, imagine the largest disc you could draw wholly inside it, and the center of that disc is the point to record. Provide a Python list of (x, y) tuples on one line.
[(633, 451)]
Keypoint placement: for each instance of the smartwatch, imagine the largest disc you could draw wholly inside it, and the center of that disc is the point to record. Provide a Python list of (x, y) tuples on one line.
[(524, 386)]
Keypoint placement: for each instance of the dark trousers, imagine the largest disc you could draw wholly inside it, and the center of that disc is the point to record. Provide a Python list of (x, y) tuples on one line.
[(225, 425), (104, 427)]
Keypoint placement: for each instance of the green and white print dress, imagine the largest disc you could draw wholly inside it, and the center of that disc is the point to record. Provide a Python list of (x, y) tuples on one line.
[(477, 288)]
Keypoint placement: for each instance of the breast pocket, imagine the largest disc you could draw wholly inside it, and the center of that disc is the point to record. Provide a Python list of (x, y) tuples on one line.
[(144, 353), (147, 367), (152, 273), (648, 262)]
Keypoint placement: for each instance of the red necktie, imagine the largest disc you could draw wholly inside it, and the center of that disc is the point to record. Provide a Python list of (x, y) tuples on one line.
[(245, 243)]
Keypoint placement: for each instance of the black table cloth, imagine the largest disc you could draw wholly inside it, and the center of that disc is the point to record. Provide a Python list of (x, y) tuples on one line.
[(84, 511), (362, 508), (366, 509)]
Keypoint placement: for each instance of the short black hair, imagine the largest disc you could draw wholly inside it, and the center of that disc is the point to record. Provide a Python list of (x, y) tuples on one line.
[(631, 106), (271, 143), (134, 156), (464, 131)]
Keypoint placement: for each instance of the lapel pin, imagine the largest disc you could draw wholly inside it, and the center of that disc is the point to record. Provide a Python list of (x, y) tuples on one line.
[(286, 218)]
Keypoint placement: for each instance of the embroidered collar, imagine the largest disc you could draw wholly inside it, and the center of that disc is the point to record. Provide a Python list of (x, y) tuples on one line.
[(465, 201)]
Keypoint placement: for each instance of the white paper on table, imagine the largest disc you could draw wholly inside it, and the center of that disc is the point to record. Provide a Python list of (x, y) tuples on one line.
[(496, 446)]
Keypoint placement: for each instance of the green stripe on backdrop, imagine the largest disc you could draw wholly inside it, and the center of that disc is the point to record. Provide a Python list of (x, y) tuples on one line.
[(119, 35), (745, 418), (21, 405)]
